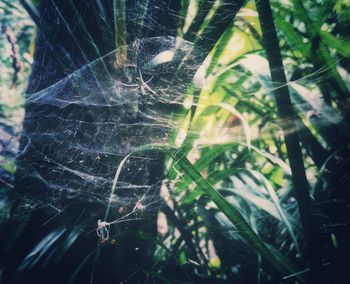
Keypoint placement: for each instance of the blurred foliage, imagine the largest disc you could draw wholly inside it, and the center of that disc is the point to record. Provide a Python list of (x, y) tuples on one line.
[(16, 57), (234, 139)]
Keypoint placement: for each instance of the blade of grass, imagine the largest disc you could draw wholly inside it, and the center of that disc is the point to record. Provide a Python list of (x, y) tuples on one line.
[(341, 46), (230, 212), (235, 217), (135, 26), (244, 122), (271, 192)]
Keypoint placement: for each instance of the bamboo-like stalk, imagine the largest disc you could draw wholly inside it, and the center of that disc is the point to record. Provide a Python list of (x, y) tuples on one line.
[(119, 8), (289, 126)]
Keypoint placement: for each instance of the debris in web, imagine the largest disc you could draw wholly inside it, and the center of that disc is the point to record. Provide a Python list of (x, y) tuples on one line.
[(103, 230)]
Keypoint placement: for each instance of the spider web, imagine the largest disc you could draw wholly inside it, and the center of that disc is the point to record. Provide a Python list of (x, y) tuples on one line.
[(83, 126)]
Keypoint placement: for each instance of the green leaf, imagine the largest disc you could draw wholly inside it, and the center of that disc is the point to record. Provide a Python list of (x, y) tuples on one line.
[(341, 46), (284, 216), (230, 212), (295, 40)]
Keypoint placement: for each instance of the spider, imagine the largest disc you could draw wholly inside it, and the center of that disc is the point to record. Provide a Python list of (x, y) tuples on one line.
[(103, 230), (138, 205), (143, 85)]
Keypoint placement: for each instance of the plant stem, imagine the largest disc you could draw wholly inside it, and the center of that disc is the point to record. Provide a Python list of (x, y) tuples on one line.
[(119, 8), (289, 126)]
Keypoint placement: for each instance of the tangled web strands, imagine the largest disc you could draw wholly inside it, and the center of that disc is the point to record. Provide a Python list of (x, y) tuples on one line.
[(84, 125)]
